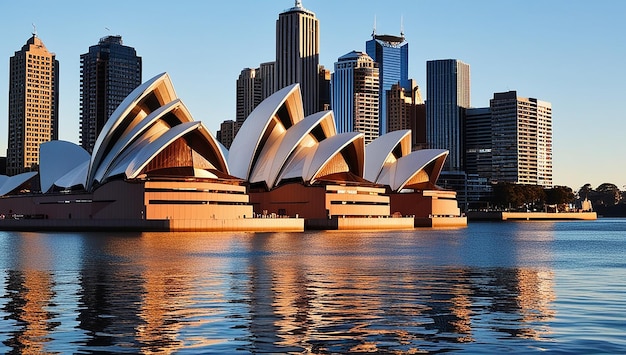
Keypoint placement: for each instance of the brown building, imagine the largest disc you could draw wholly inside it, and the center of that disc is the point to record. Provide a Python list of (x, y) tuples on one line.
[(406, 110), (33, 104)]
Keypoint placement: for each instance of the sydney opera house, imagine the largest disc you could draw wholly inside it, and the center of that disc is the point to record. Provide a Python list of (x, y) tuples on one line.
[(154, 168)]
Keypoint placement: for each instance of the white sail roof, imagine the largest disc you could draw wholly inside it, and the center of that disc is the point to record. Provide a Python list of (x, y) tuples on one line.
[(57, 158), (411, 169), (380, 152), (276, 153), (270, 118)]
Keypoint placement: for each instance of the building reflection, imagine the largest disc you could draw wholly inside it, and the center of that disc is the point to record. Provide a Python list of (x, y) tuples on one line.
[(110, 292), (316, 293), (29, 290), (345, 298)]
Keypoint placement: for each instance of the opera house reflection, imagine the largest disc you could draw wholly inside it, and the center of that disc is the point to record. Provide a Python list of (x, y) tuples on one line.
[(312, 292)]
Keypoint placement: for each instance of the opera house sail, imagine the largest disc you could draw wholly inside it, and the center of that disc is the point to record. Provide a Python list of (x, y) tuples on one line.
[(154, 167)]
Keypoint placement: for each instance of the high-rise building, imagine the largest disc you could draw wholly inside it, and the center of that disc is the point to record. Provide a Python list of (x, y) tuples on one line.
[(522, 139), (108, 73), (324, 89), (406, 110), (266, 73), (253, 86), (33, 104), (447, 93), (355, 87), (478, 137), (297, 54), (392, 55), (226, 133), (248, 94)]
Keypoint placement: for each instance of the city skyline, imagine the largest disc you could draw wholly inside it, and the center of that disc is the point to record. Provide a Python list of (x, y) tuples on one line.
[(563, 54)]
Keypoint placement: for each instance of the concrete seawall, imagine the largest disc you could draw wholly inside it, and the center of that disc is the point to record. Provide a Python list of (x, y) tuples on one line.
[(530, 216), (209, 225)]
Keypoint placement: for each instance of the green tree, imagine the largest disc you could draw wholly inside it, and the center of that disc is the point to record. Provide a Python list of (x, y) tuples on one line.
[(560, 196), (608, 194)]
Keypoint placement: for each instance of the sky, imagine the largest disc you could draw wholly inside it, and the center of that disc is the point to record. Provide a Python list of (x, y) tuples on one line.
[(570, 53)]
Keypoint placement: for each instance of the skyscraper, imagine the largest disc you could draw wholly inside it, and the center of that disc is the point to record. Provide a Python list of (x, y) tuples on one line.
[(522, 139), (447, 93), (297, 53), (392, 55), (253, 86), (355, 87), (226, 133), (33, 104), (248, 94), (108, 73), (478, 140), (406, 110)]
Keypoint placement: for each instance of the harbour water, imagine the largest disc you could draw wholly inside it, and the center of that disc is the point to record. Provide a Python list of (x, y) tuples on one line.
[(522, 287)]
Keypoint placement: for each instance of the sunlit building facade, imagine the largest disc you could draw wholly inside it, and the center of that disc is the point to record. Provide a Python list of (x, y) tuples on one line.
[(109, 71), (297, 53), (406, 110), (355, 95), (522, 139), (33, 104)]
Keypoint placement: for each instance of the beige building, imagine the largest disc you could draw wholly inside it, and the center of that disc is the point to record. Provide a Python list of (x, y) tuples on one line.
[(522, 139), (33, 104), (406, 110)]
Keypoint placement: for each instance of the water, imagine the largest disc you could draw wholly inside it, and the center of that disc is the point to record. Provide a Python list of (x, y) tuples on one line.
[(523, 287)]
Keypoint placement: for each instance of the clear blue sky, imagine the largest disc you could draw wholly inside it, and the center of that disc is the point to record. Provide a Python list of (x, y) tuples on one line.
[(567, 52)]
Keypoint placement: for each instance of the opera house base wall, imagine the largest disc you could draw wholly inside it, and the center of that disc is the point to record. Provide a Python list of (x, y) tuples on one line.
[(141, 206), (431, 208), (359, 223), (239, 225), (321, 202), (441, 222), (117, 225)]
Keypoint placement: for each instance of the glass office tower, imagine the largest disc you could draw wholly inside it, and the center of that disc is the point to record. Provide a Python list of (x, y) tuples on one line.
[(108, 73), (392, 55), (447, 94)]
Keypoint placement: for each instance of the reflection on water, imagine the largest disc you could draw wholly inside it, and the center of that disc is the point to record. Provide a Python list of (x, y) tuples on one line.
[(490, 287)]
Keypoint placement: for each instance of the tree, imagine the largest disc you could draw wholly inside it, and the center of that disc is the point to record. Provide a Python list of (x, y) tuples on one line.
[(560, 196), (585, 191), (608, 194)]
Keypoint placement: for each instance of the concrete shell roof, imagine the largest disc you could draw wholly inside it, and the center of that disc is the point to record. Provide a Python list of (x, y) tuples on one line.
[(148, 152), (57, 158), (310, 161), (381, 150), (181, 114), (399, 174), (10, 183), (275, 155), (75, 177), (253, 134), (160, 85)]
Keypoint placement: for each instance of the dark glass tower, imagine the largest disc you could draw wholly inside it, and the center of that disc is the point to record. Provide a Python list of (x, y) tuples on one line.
[(108, 73), (392, 55), (447, 94)]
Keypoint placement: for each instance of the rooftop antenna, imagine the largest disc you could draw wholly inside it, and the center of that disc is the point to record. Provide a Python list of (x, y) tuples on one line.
[(298, 3), (402, 26), (374, 30), (34, 30), (106, 28)]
